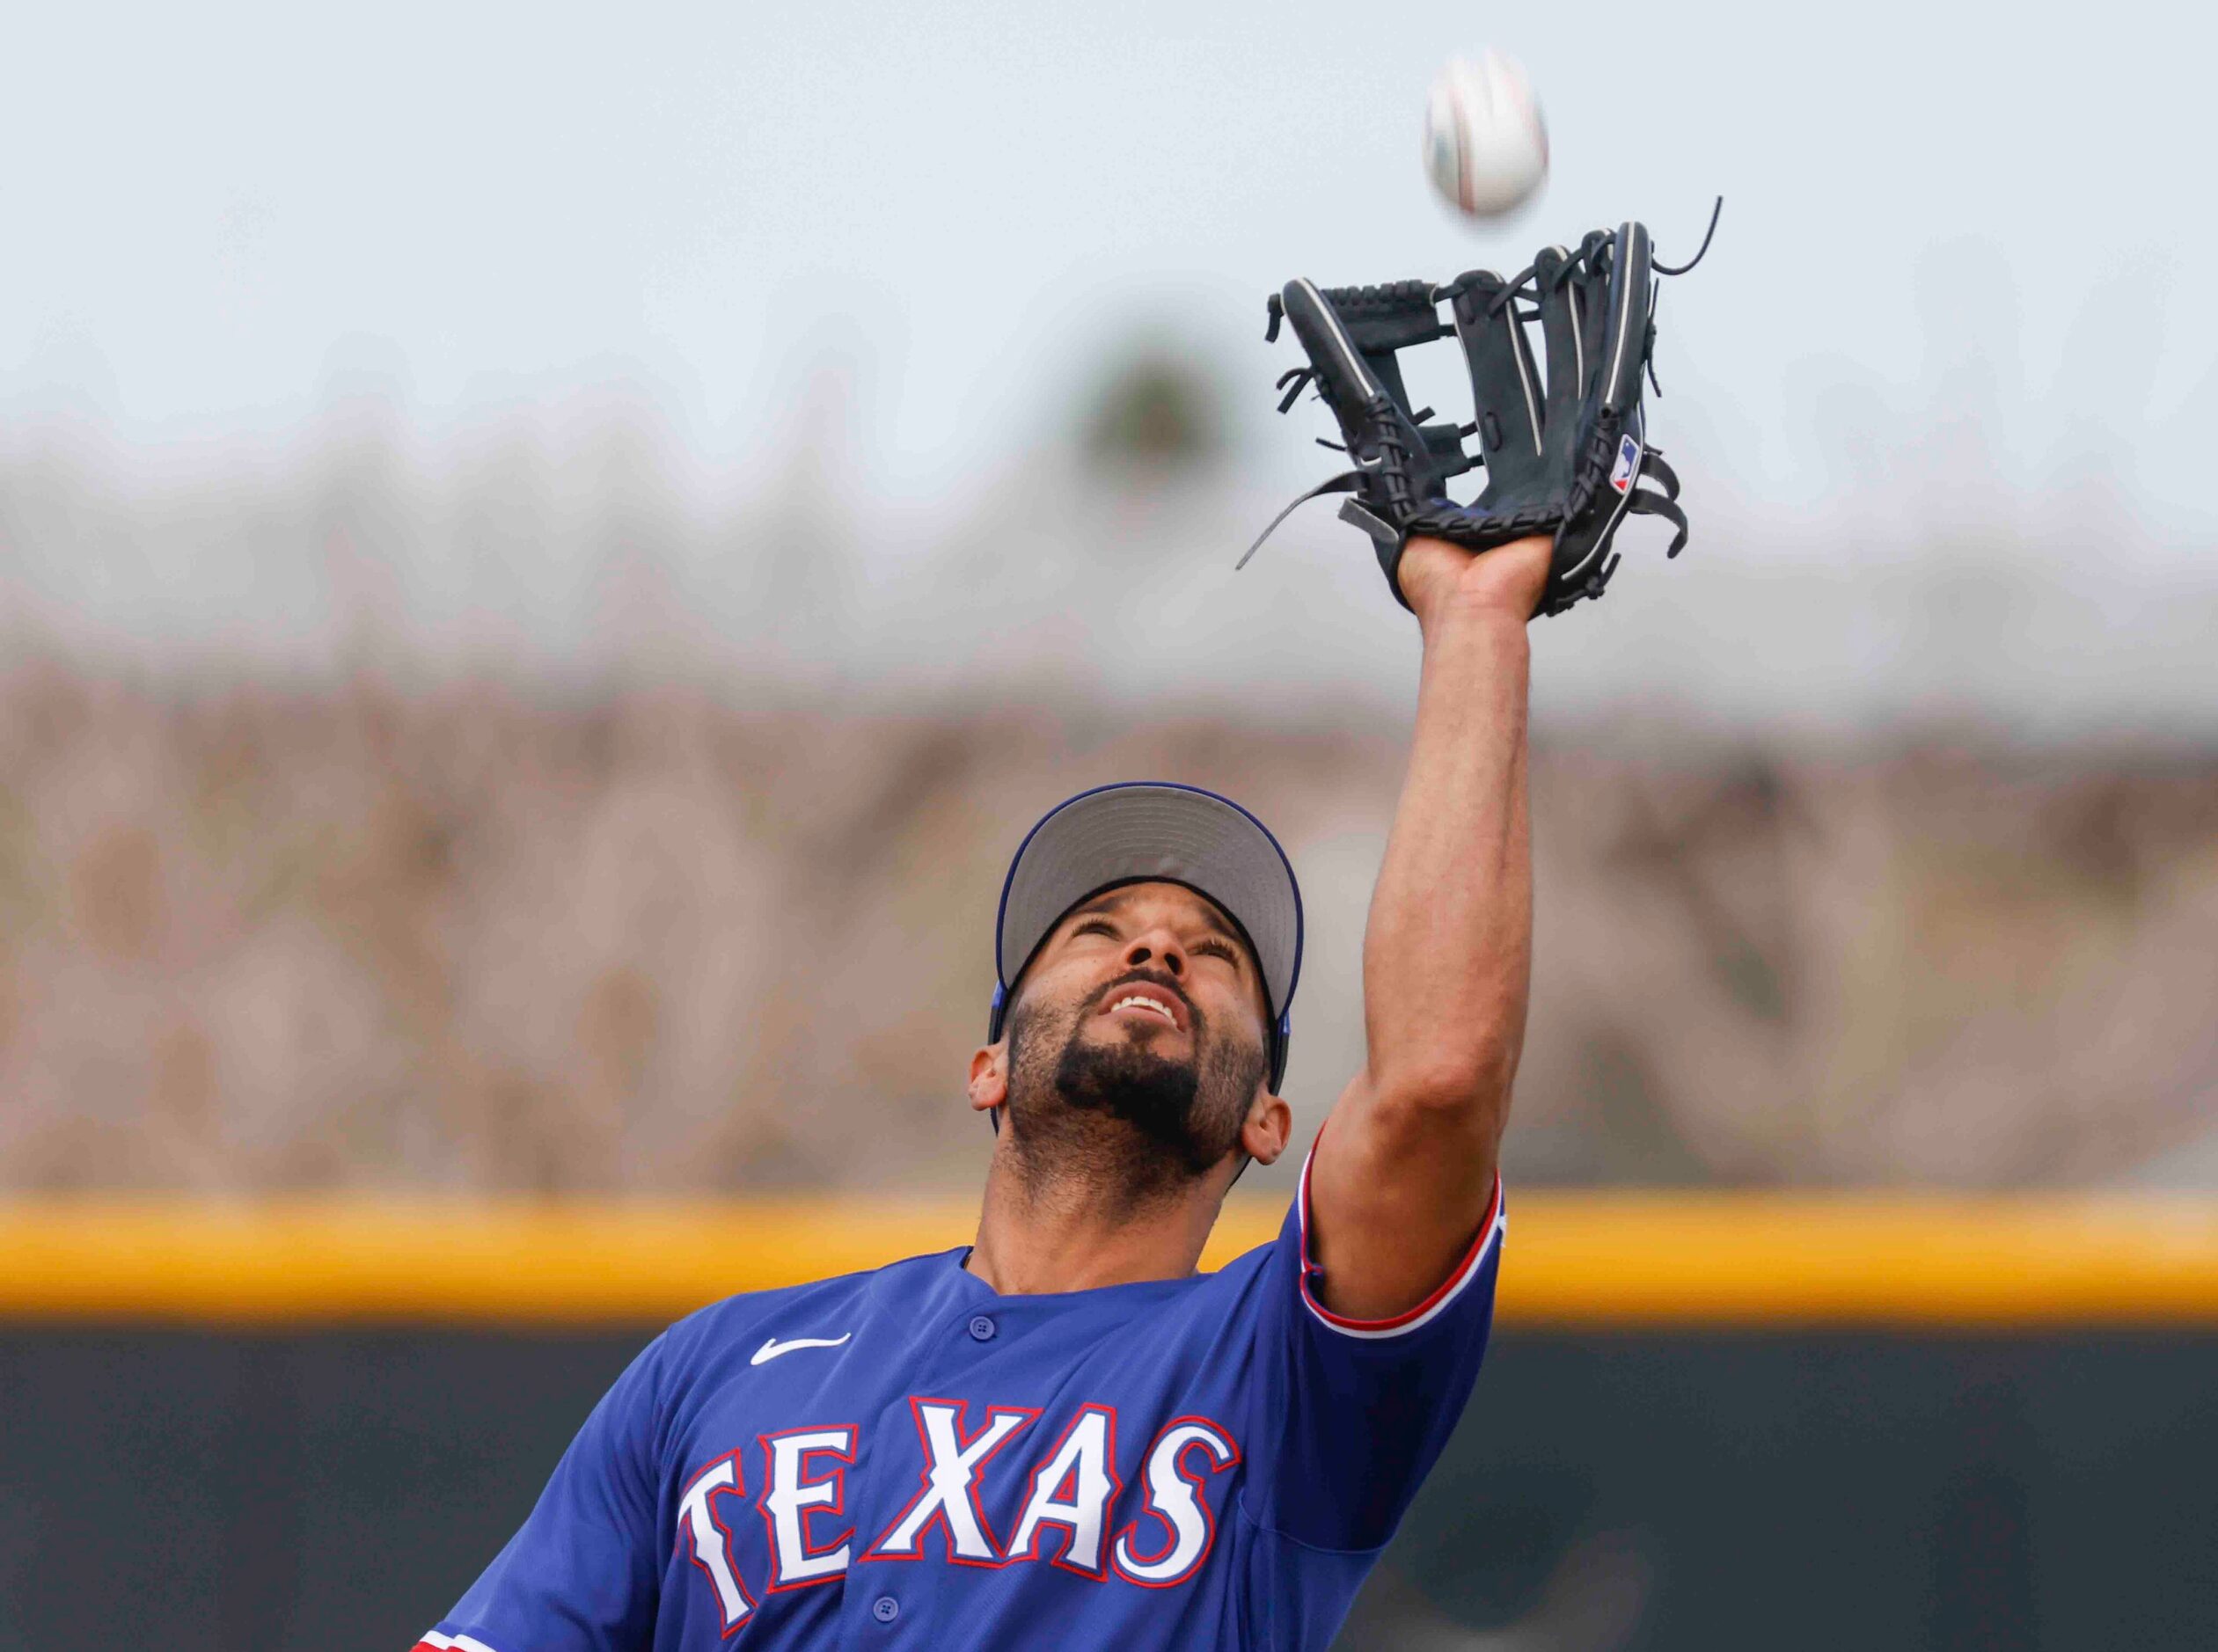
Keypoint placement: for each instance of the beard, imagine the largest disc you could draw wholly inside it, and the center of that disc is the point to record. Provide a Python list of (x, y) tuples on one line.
[(1112, 1112)]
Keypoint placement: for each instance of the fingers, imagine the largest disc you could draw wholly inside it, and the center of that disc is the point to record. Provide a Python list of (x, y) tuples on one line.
[(1509, 578), (1438, 577), (1428, 569)]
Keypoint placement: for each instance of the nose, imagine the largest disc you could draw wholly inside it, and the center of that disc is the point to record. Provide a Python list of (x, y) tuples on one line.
[(1157, 947)]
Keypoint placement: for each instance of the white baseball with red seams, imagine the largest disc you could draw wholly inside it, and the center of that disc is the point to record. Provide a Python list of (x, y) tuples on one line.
[(1485, 146)]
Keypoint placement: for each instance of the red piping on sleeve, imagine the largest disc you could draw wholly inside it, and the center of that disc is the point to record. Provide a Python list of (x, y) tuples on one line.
[(1412, 1319)]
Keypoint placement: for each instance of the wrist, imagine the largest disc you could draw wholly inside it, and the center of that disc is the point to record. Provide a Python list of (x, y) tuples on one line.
[(1459, 626), (1477, 602)]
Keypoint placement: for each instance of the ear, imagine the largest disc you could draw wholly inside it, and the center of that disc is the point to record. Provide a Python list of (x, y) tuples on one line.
[(989, 1085), (1270, 1125)]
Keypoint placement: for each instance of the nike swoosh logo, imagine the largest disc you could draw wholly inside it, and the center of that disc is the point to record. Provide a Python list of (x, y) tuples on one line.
[(774, 1347)]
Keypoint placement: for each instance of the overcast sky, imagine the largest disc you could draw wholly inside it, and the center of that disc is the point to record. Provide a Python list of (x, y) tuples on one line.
[(1960, 244)]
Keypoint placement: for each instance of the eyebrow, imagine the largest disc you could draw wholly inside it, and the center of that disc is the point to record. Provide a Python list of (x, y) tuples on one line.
[(1214, 920)]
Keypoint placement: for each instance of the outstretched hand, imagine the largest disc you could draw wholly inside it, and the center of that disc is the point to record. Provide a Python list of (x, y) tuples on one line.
[(1438, 577)]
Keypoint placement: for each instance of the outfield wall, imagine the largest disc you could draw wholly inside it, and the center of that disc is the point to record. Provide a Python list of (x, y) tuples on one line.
[(1715, 1421)]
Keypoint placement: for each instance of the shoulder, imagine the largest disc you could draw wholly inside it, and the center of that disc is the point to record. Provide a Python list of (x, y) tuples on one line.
[(1232, 1294), (1245, 1271)]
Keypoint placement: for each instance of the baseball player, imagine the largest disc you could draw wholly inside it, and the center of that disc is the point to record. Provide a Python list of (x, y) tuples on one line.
[(1061, 1435)]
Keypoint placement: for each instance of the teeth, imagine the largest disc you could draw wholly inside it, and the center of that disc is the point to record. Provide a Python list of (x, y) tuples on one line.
[(1136, 1001)]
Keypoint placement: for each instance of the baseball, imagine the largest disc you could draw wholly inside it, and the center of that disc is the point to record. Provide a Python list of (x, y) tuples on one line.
[(1485, 148)]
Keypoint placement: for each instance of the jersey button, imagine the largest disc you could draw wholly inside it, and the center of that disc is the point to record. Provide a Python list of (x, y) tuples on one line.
[(982, 1328), (885, 1609)]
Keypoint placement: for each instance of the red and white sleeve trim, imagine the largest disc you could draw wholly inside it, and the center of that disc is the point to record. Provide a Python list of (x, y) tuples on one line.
[(1490, 1235), (433, 1641)]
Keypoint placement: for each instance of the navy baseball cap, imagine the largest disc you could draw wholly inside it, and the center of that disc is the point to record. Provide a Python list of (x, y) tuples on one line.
[(1154, 831)]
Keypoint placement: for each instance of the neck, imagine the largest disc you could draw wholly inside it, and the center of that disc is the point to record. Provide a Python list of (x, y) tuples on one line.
[(1039, 1233)]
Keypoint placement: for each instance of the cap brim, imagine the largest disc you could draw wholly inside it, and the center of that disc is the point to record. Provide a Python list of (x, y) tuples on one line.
[(1149, 831)]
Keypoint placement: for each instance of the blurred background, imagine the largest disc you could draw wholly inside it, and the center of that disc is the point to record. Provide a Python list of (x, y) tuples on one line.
[(546, 561)]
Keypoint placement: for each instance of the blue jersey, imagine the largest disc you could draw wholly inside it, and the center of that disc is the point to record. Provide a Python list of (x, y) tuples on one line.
[(906, 1459)]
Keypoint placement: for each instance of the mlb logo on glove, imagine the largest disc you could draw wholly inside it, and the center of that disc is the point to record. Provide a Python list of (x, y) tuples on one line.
[(1627, 465)]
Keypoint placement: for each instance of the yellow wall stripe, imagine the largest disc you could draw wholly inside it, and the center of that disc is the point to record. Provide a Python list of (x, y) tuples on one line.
[(1573, 1260)]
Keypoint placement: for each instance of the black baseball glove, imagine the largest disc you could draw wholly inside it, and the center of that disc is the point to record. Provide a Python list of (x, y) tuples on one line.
[(1567, 456)]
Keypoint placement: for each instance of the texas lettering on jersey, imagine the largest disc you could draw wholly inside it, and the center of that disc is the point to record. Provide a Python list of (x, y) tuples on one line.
[(1072, 1502), (907, 1460)]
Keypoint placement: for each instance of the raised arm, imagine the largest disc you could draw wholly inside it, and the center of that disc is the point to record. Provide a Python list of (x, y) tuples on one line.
[(1403, 1172)]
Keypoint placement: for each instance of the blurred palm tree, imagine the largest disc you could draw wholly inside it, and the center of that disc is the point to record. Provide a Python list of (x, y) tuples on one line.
[(1156, 412)]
